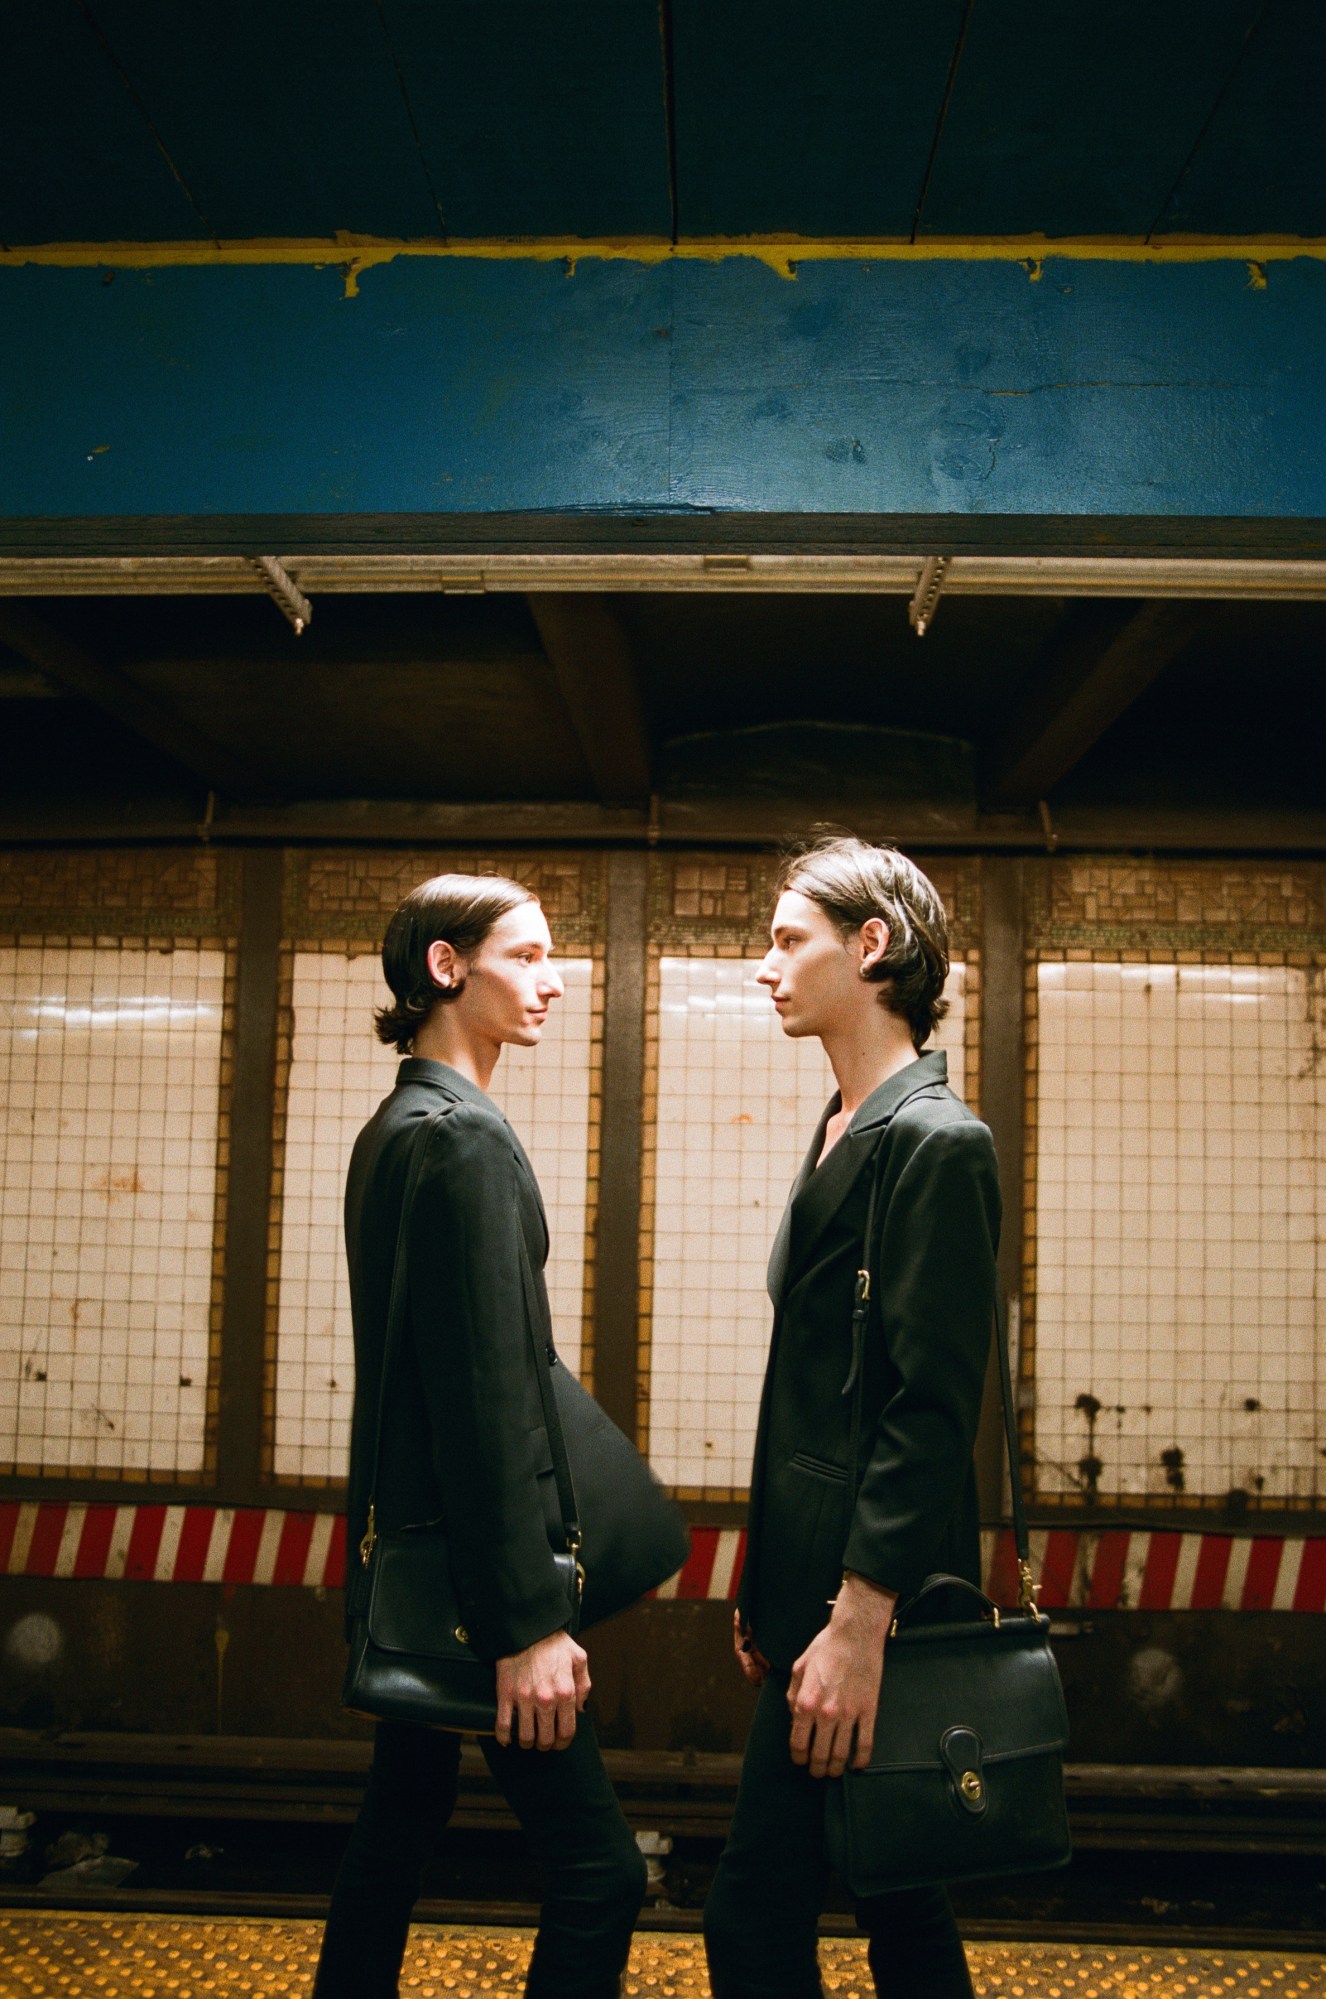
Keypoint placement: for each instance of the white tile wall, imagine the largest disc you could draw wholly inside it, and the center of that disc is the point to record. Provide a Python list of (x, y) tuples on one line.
[(109, 1105), (1181, 1252), (339, 1074), (738, 1102)]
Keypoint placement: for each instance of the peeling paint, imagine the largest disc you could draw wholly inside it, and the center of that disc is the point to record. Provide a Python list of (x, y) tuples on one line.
[(780, 254)]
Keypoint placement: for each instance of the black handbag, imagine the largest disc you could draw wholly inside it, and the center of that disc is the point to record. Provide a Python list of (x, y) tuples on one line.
[(966, 1775), (410, 1654)]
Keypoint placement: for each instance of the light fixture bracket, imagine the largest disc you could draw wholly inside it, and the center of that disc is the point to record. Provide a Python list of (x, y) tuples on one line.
[(284, 591)]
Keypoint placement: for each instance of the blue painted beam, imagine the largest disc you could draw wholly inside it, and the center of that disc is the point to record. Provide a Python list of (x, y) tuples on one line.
[(454, 386)]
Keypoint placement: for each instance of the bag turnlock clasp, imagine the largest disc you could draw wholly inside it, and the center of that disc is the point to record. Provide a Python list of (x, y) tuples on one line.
[(960, 1749)]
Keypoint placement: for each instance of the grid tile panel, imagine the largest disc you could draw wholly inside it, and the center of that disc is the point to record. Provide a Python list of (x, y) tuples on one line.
[(110, 1086), (1179, 1240), (339, 1073), (737, 1104)]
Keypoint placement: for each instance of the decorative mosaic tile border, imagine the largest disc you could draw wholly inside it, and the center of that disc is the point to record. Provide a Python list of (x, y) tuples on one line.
[(119, 892), (349, 893), (716, 899), (1109, 901)]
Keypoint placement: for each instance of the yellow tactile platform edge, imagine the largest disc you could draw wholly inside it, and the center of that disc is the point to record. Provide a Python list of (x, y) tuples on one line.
[(64, 1956)]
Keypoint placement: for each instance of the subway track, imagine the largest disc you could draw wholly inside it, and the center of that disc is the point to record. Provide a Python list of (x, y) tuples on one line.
[(245, 1828), (66, 1955)]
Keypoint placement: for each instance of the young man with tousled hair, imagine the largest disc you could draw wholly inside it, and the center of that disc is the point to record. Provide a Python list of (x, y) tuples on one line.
[(858, 957)]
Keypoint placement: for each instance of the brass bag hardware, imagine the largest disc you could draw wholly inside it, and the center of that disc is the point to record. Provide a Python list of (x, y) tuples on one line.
[(369, 1542)]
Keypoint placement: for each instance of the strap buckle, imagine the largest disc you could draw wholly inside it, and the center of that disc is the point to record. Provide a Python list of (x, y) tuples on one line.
[(1028, 1589)]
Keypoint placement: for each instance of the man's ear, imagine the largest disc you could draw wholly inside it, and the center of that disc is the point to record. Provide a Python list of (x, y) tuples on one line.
[(874, 942), (444, 967)]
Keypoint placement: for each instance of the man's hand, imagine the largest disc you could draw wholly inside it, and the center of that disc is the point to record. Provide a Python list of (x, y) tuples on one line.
[(752, 1663), (542, 1689), (834, 1689)]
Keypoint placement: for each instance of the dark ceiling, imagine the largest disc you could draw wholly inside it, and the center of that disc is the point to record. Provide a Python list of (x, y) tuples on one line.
[(148, 120), (819, 700)]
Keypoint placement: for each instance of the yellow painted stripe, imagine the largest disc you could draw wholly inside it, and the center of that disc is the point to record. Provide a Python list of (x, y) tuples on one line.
[(782, 254)]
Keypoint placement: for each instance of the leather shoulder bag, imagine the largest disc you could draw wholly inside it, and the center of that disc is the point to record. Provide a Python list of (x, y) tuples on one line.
[(410, 1654), (965, 1777)]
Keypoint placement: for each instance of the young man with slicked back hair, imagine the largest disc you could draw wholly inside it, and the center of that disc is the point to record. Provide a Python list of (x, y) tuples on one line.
[(468, 959)]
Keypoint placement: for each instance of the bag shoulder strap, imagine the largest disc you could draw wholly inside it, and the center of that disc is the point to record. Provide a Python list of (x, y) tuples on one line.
[(544, 1361), (855, 1386), (397, 1313)]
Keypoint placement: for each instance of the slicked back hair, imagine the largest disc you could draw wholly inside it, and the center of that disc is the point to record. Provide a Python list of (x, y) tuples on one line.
[(457, 909)]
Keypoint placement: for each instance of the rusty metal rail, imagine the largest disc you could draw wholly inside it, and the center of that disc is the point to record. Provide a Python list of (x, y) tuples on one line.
[(1113, 1806)]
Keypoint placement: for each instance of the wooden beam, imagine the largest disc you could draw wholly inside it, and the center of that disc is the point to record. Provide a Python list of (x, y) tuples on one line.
[(390, 822), (71, 666), (616, 1359), (591, 658), (1106, 656)]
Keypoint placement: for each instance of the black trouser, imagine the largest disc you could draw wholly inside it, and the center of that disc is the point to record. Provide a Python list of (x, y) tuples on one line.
[(594, 1875), (760, 1923)]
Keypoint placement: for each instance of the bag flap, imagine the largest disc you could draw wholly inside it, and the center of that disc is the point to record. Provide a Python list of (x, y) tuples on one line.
[(1002, 1684), (412, 1604)]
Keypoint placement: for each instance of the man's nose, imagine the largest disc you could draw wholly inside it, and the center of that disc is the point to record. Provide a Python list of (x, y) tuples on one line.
[(766, 976)]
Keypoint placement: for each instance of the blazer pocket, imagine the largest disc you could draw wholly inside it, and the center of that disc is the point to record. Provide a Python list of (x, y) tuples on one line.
[(819, 1467)]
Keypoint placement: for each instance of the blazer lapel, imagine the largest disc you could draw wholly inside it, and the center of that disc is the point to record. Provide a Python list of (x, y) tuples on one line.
[(779, 1255), (820, 1193), (523, 1162), (823, 1195)]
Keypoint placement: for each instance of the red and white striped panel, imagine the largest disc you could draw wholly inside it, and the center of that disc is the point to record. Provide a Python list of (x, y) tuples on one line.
[(1113, 1569), (172, 1544), (1134, 1569)]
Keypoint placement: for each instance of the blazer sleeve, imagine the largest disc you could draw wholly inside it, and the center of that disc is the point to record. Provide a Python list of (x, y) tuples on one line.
[(936, 1274), (468, 1320)]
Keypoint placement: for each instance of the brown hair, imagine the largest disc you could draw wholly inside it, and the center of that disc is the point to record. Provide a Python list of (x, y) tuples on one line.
[(853, 881), (457, 909)]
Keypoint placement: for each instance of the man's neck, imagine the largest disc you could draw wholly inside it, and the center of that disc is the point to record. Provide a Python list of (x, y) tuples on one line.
[(442, 1039), (866, 1054)]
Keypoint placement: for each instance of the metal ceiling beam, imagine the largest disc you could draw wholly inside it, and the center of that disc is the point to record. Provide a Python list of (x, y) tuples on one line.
[(1105, 658), (392, 822), (590, 654), (69, 664), (892, 575)]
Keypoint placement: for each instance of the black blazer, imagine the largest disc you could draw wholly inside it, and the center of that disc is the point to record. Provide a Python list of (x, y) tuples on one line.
[(933, 1275), (464, 1439)]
